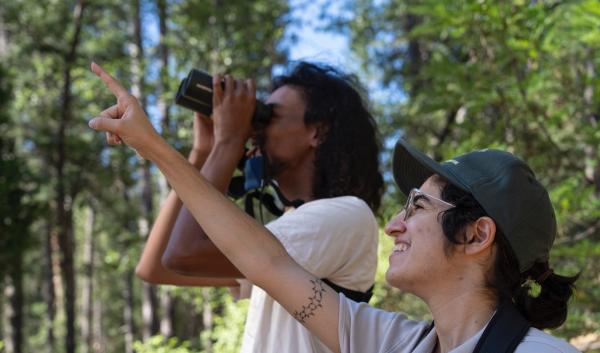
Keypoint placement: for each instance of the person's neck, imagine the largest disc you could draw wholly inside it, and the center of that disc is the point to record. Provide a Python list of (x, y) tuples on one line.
[(459, 313), (297, 183)]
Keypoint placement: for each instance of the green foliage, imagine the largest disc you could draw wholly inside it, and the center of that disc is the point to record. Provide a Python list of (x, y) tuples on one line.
[(229, 327), (241, 37), (159, 344), (515, 75), (17, 208), (460, 75)]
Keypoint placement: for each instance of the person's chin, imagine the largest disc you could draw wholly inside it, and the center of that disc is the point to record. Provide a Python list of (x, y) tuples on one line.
[(391, 277), (398, 281)]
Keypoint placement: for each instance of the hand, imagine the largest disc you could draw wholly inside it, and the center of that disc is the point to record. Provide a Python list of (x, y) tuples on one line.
[(126, 120), (233, 109)]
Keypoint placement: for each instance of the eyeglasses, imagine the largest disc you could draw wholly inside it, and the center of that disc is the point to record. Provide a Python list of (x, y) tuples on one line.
[(416, 195)]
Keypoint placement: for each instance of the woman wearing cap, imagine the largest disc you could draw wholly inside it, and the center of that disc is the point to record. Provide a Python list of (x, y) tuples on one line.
[(476, 231)]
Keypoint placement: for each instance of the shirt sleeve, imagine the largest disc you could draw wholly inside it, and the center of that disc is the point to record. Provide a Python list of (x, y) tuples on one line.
[(332, 237), (363, 328)]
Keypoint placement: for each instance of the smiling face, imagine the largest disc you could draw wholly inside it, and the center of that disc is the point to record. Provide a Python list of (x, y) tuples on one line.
[(287, 140), (418, 260)]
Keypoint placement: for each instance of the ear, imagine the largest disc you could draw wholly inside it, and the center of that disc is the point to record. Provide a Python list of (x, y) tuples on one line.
[(480, 235), (317, 131)]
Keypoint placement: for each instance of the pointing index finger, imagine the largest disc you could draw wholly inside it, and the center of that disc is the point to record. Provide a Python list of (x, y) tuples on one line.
[(113, 85)]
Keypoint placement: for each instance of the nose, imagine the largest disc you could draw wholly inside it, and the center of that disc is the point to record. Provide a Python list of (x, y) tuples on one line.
[(395, 225)]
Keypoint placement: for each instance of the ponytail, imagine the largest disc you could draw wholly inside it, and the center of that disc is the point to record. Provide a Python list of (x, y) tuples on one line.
[(543, 296)]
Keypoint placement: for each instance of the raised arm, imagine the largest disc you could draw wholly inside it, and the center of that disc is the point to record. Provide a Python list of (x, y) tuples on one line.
[(150, 267), (249, 245), (190, 251)]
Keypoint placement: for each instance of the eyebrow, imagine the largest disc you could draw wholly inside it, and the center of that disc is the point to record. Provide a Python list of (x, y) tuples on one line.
[(422, 197)]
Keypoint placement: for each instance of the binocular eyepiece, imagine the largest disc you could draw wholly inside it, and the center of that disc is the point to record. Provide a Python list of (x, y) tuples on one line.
[(196, 90)]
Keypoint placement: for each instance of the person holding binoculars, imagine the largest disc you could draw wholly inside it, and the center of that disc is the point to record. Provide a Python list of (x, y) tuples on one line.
[(320, 146)]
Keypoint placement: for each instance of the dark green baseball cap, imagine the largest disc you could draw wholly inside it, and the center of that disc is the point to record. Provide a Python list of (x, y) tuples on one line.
[(503, 185)]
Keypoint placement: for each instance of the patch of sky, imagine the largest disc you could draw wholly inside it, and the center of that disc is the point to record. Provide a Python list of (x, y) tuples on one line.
[(314, 39)]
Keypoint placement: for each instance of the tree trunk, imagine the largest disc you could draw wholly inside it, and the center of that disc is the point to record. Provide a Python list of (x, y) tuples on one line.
[(592, 167), (3, 37), (207, 318), (99, 340), (163, 107), (128, 312), (168, 312), (13, 308), (415, 62), (163, 51), (166, 299), (50, 266), (149, 301), (64, 203), (87, 316)]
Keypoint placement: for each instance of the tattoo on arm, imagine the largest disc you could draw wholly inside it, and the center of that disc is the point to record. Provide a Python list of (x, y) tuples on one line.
[(314, 301)]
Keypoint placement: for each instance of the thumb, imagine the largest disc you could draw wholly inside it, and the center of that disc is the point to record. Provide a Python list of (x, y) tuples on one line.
[(104, 124)]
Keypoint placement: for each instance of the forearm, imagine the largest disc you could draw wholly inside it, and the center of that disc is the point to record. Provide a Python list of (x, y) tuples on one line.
[(221, 163), (150, 264), (164, 222), (248, 245), (191, 252), (150, 267)]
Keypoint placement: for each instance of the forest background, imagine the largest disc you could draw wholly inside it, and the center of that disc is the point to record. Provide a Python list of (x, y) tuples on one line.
[(450, 76)]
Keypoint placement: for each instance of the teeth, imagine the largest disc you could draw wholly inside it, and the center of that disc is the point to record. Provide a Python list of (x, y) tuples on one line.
[(401, 247)]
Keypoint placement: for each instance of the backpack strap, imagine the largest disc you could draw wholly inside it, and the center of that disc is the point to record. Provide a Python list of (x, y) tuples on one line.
[(504, 332), (351, 294)]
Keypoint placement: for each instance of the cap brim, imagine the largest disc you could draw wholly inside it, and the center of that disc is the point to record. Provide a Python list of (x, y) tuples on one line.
[(412, 167)]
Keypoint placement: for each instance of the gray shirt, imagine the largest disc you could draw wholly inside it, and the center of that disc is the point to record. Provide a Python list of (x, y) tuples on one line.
[(363, 329)]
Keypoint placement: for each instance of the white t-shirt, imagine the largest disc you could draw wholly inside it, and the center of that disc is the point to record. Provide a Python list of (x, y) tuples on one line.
[(332, 238), (363, 328)]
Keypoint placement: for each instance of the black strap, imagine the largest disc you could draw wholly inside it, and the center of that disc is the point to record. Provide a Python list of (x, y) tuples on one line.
[(266, 200), (351, 294), (294, 203), (504, 332), (236, 187)]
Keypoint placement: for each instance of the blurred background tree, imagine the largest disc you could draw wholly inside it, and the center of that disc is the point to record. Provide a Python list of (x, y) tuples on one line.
[(448, 76)]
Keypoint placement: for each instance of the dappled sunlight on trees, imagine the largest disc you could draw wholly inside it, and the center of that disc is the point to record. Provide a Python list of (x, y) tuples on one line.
[(454, 76)]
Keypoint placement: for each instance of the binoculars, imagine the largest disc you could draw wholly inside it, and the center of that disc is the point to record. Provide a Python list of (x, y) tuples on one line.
[(196, 90)]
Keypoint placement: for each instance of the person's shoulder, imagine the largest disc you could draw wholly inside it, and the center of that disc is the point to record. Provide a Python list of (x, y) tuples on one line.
[(389, 328), (340, 204), (349, 210), (366, 310), (539, 341)]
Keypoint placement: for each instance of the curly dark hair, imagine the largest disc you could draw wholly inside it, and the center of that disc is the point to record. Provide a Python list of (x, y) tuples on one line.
[(346, 160), (547, 309)]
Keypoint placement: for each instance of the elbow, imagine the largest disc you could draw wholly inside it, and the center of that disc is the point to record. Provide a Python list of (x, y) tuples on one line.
[(145, 274), (142, 273)]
